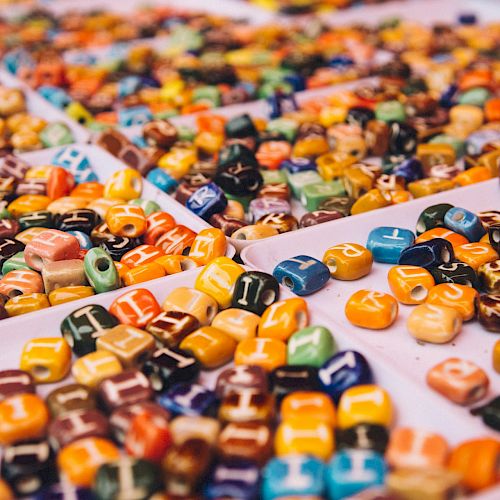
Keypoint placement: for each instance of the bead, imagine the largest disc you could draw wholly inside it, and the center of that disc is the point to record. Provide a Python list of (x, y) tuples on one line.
[(494, 236), (371, 309), (388, 243), (239, 324), (319, 217), (260, 208), (476, 254), (158, 223), (13, 382), (125, 184), (267, 353), (135, 307), (293, 476), (439, 232), (310, 405), (207, 245), (195, 302), (22, 417), (46, 359), (81, 219), (488, 312), (241, 377), (364, 404), (187, 399), (282, 222), (311, 346), (246, 405), (348, 261), (460, 297), (281, 319), (434, 324), (371, 200), (142, 273), (49, 246), (23, 304), (80, 460), (184, 428), (254, 291), (475, 461), (28, 203), (431, 253), (69, 398), (141, 254), (465, 223), (455, 272), (8, 248), (235, 478), (169, 366), (207, 201), (410, 284), (41, 218), (489, 277), (171, 327), (287, 379), (363, 437), (254, 232), (92, 368), (20, 282), (63, 273)]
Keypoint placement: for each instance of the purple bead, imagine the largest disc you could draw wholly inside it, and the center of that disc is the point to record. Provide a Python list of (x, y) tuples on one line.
[(207, 201), (410, 169), (476, 140), (234, 479), (295, 165), (187, 399), (264, 206)]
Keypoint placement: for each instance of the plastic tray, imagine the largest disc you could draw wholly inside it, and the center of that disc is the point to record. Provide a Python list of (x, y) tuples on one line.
[(394, 346)]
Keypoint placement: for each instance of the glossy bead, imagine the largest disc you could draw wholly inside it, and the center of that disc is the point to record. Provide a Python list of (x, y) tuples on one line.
[(488, 312), (125, 184), (434, 324), (428, 254), (136, 307), (348, 261), (440, 232), (187, 399), (494, 236), (126, 220), (465, 223), (311, 346), (46, 359), (81, 219), (455, 272), (13, 382), (308, 404), (195, 302), (141, 254), (20, 282), (143, 273), (460, 297), (237, 323), (489, 277), (207, 201), (23, 304), (267, 353), (23, 417), (432, 217), (388, 243), (93, 368), (254, 232), (254, 291), (364, 404), (158, 223), (218, 280), (207, 245), (410, 284), (169, 366), (69, 398), (80, 460), (363, 437), (49, 246), (176, 241), (371, 309), (282, 222), (281, 319), (171, 327), (185, 428), (271, 212), (238, 478), (27, 203), (476, 254), (286, 379), (63, 273), (241, 377)]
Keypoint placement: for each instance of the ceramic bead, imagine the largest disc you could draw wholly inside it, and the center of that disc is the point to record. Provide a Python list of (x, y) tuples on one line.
[(136, 307), (489, 277), (14, 382), (434, 324), (308, 404), (476, 254), (388, 243), (63, 273), (348, 261), (171, 327), (126, 220), (410, 284), (465, 223), (92, 368), (363, 437), (460, 297), (286, 379), (429, 254), (488, 312), (68, 398), (455, 272), (370, 309), (239, 324), (440, 232), (254, 291), (281, 319), (195, 302), (311, 346), (241, 377), (187, 399), (267, 353)]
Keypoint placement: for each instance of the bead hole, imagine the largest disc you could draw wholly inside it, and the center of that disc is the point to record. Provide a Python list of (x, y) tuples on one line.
[(301, 318), (495, 236), (394, 312), (458, 216), (37, 261), (445, 255), (156, 382), (421, 227), (40, 372), (418, 292), (268, 297), (128, 230), (332, 265), (288, 282), (69, 339), (102, 265), (211, 312), (240, 236), (28, 485), (476, 392), (188, 264), (14, 293), (142, 357)]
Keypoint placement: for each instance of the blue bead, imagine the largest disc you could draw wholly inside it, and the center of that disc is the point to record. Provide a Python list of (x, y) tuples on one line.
[(16, 58), (387, 243), (83, 239), (76, 162), (149, 81), (136, 115), (140, 141), (293, 475), (430, 253), (341, 62), (162, 180), (410, 169), (342, 371), (296, 81), (81, 59), (449, 96), (351, 471), (207, 201), (280, 103), (128, 85), (302, 274), (187, 399), (467, 18), (296, 165), (56, 96), (464, 222), (63, 492), (237, 478)]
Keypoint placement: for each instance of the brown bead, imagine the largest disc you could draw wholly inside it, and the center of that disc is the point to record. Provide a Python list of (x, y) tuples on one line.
[(283, 223), (318, 217), (183, 192), (160, 133), (488, 312), (489, 277), (70, 398), (489, 217), (377, 137), (12, 166), (170, 327), (14, 382), (247, 405), (341, 204), (8, 228), (197, 179), (112, 141), (280, 190), (241, 377), (228, 225)]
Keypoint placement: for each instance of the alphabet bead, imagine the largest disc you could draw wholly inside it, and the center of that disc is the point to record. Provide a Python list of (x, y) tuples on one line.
[(460, 297), (29, 302), (126, 220), (434, 324), (410, 284), (476, 254), (239, 324), (187, 399), (432, 217), (489, 277), (308, 404), (136, 307), (268, 353), (431, 253), (195, 302), (370, 309), (241, 377), (465, 223), (388, 243), (440, 232), (92, 368), (363, 437), (281, 319), (311, 346), (63, 273), (455, 272), (254, 291), (488, 312), (14, 382), (171, 327), (348, 261), (70, 398)]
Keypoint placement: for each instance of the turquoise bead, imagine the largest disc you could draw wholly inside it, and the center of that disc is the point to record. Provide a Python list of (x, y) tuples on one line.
[(149, 206), (388, 243), (311, 346), (100, 270), (14, 263)]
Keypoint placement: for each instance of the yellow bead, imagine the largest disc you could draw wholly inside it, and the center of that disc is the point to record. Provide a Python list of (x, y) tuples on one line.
[(67, 203), (201, 305), (218, 279), (125, 184), (435, 154), (304, 436), (264, 352), (368, 404), (93, 368), (173, 264), (23, 304), (330, 115), (210, 346), (358, 181), (46, 359), (430, 185), (102, 205), (434, 323), (142, 273), (371, 200), (28, 234), (371, 309), (237, 323), (40, 172), (177, 162), (69, 293), (313, 145), (28, 203), (496, 356), (209, 142), (348, 261)]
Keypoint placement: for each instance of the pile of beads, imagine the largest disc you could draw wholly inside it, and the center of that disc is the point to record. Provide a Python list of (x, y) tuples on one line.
[(65, 236), (22, 130), (293, 417)]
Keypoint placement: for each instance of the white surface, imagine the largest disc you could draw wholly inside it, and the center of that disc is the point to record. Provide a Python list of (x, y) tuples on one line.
[(393, 347)]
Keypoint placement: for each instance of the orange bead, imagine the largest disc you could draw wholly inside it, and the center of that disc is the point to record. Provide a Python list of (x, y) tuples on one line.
[(492, 109), (211, 123), (22, 417), (126, 220), (434, 324), (459, 380), (475, 78), (440, 232), (145, 272), (5, 492), (122, 269), (207, 245), (310, 405), (370, 309), (143, 254), (80, 460), (158, 223), (410, 284), (401, 196), (264, 352), (271, 153), (176, 240), (60, 183), (173, 264), (136, 307), (476, 254), (477, 461), (473, 175), (21, 281), (283, 318), (90, 190), (462, 298), (416, 448)]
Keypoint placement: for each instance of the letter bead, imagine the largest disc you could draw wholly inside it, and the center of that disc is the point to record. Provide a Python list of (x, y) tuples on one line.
[(241, 377), (308, 404), (410, 284), (348, 261), (464, 222), (431, 253), (282, 319), (247, 405), (371, 309), (255, 291), (268, 353), (489, 277), (187, 399), (13, 382), (170, 327), (136, 307), (63, 273), (488, 312), (126, 221), (455, 272), (195, 302), (68, 398), (494, 236), (311, 346), (459, 297), (476, 254), (388, 243), (239, 479), (434, 324), (363, 437), (91, 369), (239, 324), (286, 379), (432, 217)]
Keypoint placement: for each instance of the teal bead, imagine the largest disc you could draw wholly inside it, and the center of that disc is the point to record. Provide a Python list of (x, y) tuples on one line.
[(56, 134), (314, 194), (185, 133), (476, 97), (457, 144), (390, 111), (209, 93), (149, 206), (273, 176), (100, 270), (41, 218), (311, 346), (283, 126), (299, 180), (14, 263)]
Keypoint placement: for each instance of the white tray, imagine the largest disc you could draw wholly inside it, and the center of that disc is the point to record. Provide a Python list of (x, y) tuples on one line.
[(393, 347)]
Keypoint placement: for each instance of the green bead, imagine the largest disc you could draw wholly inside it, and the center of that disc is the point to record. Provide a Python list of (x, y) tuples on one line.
[(165, 115), (299, 180), (100, 270), (97, 126), (456, 143), (56, 134), (14, 263), (311, 346), (185, 133), (273, 176), (208, 94), (5, 214), (268, 89), (476, 97), (244, 200), (313, 194), (149, 206), (432, 217), (390, 111), (184, 38), (283, 126), (275, 75), (41, 218)]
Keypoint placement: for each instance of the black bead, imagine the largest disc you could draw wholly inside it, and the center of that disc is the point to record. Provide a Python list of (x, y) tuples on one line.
[(255, 291), (118, 246), (240, 127), (40, 218), (286, 379), (490, 413), (235, 153), (79, 219), (8, 248), (239, 179), (402, 139), (455, 272), (360, 115), (363, 437)]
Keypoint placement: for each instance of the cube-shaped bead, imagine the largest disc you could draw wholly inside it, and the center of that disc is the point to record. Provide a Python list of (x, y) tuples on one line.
[(255, 291), (348, 261), (460, 297), (476, 254), (239, 324), (308, 404), (170, 327), (464, 222), (195, 302), (488, 312), (388, 243), (311, 346), (187, 399), (136, 307), (489, 276), (410, 284), (434, 323), (241, 377), (371, 309), (267, 353), (68, 398), (14, 382), (92, 368)]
